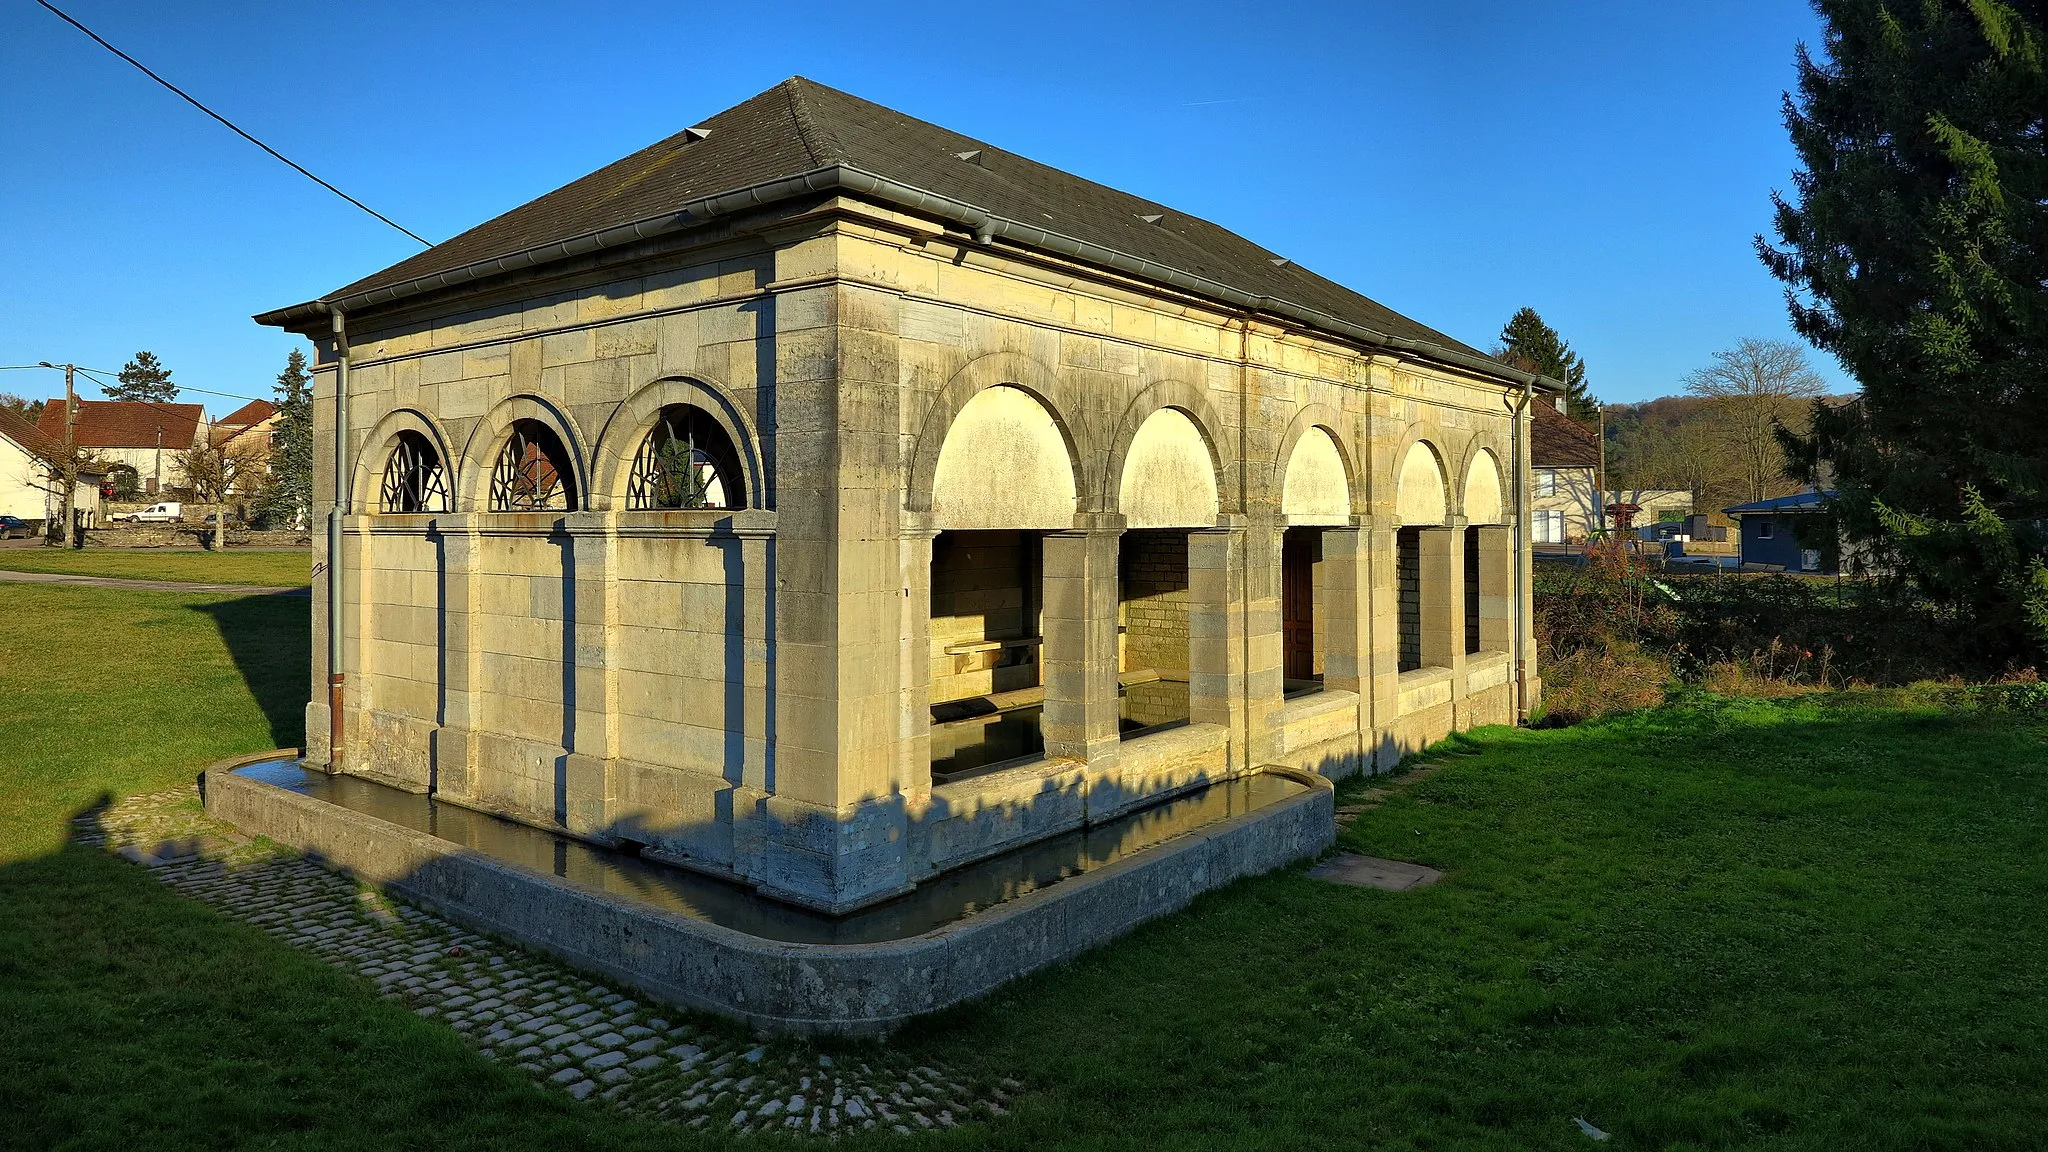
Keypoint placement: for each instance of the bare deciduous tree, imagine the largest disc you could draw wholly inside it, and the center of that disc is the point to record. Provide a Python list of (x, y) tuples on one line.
[(1756, 386), (222, 468)]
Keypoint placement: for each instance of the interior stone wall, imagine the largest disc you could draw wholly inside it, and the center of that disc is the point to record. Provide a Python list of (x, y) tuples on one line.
[(983, 589)]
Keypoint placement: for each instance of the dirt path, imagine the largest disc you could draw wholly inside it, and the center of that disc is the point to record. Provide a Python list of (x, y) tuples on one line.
[(149, 585)]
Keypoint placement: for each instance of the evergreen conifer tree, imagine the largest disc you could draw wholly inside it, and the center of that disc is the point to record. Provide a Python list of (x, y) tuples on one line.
[(143, 378), (1526, 342), (1915, 247), (287, 497)]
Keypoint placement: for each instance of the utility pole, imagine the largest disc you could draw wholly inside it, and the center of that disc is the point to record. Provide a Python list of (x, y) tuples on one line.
[(67, 468)]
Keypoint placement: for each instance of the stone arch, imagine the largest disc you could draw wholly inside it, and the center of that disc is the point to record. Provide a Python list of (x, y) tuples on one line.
[(479, 453), (1193, 404), (367, 477), (1323, 422), (634, 418), (1006, 369), (1421, 489), (1004, 464), (1168, 475), (1480, 496)]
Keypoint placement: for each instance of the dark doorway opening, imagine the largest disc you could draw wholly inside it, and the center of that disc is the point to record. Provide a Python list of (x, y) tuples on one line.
[(1302, 618), (1471, 590)]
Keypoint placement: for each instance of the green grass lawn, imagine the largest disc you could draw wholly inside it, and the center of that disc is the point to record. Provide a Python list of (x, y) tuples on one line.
[(1814, 924), (272, 569)]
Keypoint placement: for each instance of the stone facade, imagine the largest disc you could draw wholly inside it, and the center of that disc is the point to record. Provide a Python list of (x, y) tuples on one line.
[(749, 690)]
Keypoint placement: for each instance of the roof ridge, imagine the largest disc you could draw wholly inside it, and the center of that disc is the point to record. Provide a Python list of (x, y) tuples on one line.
[(809, 131)]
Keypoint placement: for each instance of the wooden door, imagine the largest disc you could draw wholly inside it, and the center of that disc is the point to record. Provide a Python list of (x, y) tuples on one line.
[(1297, 608)]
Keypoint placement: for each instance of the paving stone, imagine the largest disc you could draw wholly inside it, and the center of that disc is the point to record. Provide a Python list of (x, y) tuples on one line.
[(1374, 872), (520, 1008)]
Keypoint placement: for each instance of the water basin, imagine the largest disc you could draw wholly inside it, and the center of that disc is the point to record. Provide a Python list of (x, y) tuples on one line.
[(940, 901)]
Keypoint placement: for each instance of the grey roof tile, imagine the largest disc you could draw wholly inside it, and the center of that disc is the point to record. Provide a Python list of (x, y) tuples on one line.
[(800, 125)]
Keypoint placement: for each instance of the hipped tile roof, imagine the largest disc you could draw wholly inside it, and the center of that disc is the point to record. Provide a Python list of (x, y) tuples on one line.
[(800, 126), (124, 423), (1558, 441)]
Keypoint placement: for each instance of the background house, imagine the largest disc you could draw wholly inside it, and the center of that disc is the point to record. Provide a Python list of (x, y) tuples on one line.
[(247, 434), (138, 434), (1770, 533), (29, 486), (1564, 459)]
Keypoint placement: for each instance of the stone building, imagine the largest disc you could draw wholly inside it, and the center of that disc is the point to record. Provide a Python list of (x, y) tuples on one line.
[(824, 499)]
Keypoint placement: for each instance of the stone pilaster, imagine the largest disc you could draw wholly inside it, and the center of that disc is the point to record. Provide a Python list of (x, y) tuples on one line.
[(914, 660), (590, 766), (756, 531), (454, 742)]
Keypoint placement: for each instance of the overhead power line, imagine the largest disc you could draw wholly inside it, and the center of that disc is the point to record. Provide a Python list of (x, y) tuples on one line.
[(94, 375), (231, 125)]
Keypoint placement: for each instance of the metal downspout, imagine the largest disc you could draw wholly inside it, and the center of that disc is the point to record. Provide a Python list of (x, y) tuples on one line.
[(1521, 616), (335, 512)]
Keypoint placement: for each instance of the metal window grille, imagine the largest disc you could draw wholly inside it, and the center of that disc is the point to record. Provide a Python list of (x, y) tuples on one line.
[(532, 474), (685, 462), (415, 480)]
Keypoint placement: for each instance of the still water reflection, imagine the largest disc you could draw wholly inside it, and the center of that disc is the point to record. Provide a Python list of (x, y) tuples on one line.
[(935, 903)]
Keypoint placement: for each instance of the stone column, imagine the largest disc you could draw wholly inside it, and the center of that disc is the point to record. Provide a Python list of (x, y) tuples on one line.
[(454, 741), (1496, 588), (1233, 640), (1080, 647), (1347, 629), (1383, 623), (591, 783), (1443, 600)]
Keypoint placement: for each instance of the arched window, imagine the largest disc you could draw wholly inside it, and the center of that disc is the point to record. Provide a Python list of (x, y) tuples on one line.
[(533, 472), (687, 461), (414, 478)]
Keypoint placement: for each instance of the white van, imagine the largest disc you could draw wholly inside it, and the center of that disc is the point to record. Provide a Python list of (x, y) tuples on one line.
[(160, 513)]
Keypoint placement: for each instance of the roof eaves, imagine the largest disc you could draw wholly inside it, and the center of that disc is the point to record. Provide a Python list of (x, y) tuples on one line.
[(984, 224)]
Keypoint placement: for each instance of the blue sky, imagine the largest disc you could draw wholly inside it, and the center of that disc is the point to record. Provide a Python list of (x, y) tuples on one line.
[(1604, 162)]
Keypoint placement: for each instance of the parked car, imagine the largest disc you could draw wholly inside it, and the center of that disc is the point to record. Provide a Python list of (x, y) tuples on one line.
[(164, 513), (15, 526)]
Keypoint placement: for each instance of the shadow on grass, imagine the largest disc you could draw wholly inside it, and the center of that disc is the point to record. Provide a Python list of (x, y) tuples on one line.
[(136, 1014), (270, 639)]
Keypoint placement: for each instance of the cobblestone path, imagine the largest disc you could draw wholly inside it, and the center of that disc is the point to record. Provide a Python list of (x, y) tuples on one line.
[(517, 1007)]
